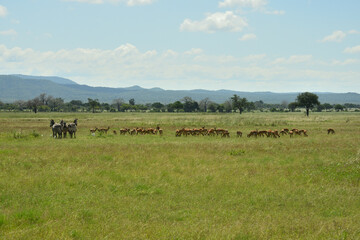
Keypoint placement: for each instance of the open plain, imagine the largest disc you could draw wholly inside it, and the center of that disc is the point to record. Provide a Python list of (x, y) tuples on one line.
[(108, 186)]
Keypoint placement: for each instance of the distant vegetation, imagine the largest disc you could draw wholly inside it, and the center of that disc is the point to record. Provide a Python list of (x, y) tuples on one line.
[(48, 103)]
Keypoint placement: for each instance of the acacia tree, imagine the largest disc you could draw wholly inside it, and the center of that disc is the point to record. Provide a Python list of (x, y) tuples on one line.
[(118, 102), (203, 105), (239, 103), (292, 106), (34, 104), (93, 103), (307, 100)]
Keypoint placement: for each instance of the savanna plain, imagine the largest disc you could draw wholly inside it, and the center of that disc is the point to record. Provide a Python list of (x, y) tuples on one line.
[(165, 187)]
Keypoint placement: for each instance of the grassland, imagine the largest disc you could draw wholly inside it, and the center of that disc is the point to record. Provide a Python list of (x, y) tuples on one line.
[(152, 187)]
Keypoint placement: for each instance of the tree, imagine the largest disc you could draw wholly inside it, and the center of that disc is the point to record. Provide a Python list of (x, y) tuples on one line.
[(132, 101), (307, 100), (93, 103), (339, 107), (213, 107), (157, 106), (55, 104), (292, 106), (327, 106), (226, 106), (203, 105), (118, 102), (177, 105), (34, 104), (190, 105), (239, 103)]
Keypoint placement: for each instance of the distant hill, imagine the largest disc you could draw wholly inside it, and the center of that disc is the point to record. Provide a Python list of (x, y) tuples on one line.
[(58, 80), (21, 87)]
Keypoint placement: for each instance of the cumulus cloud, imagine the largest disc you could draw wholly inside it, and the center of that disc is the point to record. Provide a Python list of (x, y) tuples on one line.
[(247, 37), (257, 4), (336, 36), (275, 12), (355, 49), (294, 59), (126, 65), (3, 11), (353, 32), (10, 32), (127, 2), (224, 21)]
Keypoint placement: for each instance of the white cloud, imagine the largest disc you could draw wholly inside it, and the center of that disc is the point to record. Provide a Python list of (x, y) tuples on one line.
[(355, 49), (10, 32), (194, 51), (127, 2), (294, 59), (344, 63), (227, 21), (275, 12), (127, 65), (247, 37), (3, 11), (259, 5), (139, 2), (255, 57), (353, 32), (256, 4), (336, 36)]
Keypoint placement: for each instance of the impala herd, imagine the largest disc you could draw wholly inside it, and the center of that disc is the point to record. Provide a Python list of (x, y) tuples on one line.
[(207, 132)]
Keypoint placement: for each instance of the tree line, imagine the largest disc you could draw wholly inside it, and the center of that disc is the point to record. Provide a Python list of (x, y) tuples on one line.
[(47, 103)]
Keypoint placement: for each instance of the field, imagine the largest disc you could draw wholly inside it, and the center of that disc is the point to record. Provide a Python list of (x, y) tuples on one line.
[(165, 187)]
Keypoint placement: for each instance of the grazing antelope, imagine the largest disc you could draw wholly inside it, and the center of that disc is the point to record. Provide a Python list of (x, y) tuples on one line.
[(211, 132), (331, 130), (225, 133), (283, 132), (253, 134), (239, 134), (262, 133), (303, 131), (291, 133), (123, 131), (93, 130), (104, 130), (159, 130)]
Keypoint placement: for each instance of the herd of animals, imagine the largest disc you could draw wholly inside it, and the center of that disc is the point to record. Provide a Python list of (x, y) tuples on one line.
[(61, 129)]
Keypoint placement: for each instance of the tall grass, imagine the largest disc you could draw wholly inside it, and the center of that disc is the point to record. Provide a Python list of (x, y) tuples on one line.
[(152, 187)]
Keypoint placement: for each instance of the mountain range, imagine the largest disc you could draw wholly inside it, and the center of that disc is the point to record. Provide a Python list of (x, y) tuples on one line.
[(23, 87)]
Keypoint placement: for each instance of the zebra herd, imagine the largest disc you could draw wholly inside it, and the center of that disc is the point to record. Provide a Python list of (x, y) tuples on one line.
[(61, 129)]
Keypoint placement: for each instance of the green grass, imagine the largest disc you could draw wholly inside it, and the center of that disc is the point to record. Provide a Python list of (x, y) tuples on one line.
[(152, 187)]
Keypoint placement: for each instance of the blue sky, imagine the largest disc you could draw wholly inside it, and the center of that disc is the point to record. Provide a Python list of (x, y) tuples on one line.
[(245, 45)]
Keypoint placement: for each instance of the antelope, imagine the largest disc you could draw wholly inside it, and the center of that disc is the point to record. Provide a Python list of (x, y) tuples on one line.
[(331, 130), (303, 131), (123, 131), (283, 132), (253, 134), (262, 133), (291, 133), (158, 129), (105, 130), (225, 133), (93, 130)]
